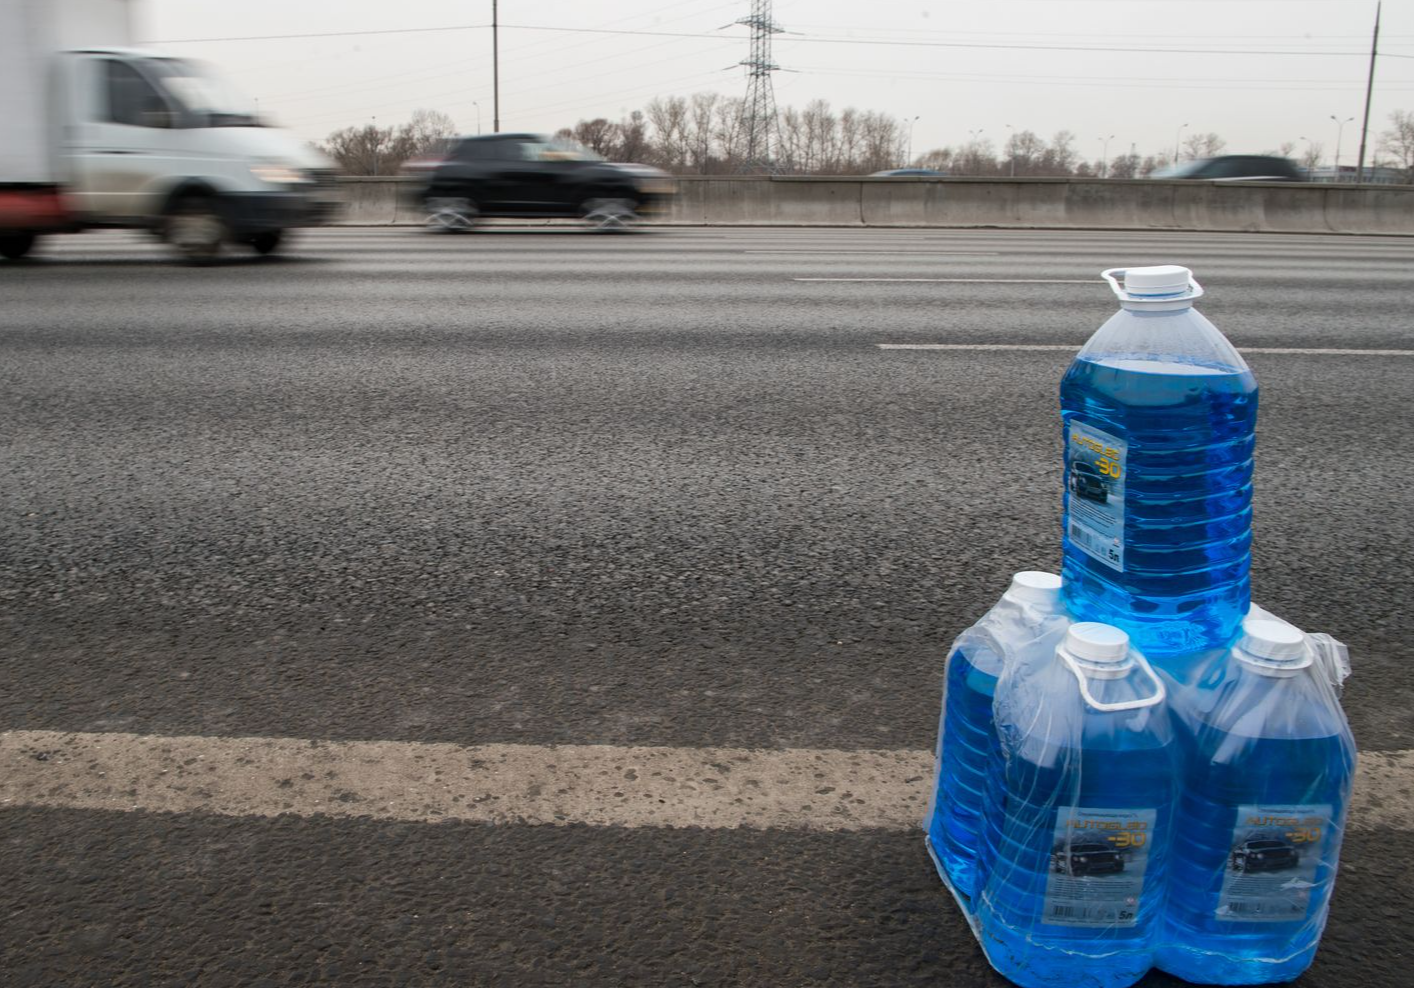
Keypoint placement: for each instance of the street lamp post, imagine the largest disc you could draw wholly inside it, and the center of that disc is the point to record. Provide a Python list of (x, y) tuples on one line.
[(478, 117), (910, 142), (1339, 127), (1011, 149), (1105, 156), (1175, 142), (1307, 159)]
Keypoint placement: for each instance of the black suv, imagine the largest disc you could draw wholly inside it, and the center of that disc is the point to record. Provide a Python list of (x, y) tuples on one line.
[(527, 175), (1086, 856), (1236, 168), (1086, 482), (1265, 854)]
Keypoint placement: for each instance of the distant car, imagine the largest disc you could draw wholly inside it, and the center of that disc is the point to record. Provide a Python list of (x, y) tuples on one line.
[(1087, 857), (905, 172), (1265, 854), (1086, 482), (528, 175), (1235, 168)]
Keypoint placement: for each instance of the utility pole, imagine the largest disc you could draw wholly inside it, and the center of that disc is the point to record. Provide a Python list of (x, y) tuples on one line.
[(759, 109), (1175, 142), (1369, 90), (495, 70)]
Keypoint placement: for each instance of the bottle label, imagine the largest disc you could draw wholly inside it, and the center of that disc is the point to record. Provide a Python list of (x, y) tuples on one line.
[(1094, 476), (1098, 857), (1271, 867)]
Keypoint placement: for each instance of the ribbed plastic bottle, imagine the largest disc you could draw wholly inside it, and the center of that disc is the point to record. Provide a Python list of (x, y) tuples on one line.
[(1258, 831), (1029, 612), (1075, 894), (1159, 416)]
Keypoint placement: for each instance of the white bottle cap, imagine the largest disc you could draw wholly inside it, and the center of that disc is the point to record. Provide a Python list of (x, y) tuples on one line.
[(1164, 279), (1274, 641), (1032, 587), (1091, 641)]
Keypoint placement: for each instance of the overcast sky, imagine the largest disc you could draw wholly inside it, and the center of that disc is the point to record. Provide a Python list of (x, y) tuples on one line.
[(1257, 72)]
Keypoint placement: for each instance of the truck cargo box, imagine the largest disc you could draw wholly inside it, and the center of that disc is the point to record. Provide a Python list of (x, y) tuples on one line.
[(30, 32)]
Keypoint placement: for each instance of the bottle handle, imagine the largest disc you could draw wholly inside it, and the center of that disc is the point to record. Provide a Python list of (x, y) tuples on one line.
[(1113, 275), (1160, 693)]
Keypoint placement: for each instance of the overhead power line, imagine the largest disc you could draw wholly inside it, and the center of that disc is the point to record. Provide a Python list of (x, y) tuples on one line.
[(1135, 49)]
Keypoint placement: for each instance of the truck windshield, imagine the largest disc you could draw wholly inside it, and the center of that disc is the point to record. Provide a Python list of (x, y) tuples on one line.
[(204, 93)]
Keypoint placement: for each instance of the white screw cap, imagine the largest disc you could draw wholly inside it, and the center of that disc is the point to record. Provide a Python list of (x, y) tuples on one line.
[(1164, 279), (1275, 641), (1091, 641), (1034, 587)]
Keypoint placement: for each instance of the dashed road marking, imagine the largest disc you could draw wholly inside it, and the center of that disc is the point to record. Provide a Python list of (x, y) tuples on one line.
[(598, 785), (971, 281), (1304, 351)]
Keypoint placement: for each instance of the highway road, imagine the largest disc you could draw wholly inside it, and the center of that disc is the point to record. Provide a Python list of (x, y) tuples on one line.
[(541, 607)]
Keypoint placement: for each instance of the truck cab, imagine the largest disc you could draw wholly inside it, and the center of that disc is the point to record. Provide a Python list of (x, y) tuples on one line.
[(122, 137)]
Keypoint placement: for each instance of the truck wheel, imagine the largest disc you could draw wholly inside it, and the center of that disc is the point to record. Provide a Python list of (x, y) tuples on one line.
[(610, 215), (16, 245), (196, 229), (451, 214), (267, 242)]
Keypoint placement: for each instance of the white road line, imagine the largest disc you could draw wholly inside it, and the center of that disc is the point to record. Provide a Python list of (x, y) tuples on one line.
[(906, 253), (599, 785), (970, 281), (1306, 351)]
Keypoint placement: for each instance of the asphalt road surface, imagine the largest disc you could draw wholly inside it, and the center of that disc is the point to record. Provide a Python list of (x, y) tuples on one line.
[(451, 503)]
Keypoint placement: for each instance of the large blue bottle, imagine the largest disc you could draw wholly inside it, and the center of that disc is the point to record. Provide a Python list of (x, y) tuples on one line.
[(1075, 893), (1029, 616), (1159, 415), (1258, 830)]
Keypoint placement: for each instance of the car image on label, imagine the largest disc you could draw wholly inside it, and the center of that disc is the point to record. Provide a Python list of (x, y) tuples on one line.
[(1087, 857)]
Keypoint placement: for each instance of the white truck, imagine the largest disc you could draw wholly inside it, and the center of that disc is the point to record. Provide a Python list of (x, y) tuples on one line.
[(94, 133)]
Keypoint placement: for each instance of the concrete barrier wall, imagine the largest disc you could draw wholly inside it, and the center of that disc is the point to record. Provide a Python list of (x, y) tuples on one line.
[(1038, 203)]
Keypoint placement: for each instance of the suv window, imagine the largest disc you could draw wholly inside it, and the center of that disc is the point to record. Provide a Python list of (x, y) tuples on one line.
[(132, 100)]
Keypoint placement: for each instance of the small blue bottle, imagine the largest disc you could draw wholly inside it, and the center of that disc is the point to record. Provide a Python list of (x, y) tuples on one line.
[(1270, 760), (1029, 615), (1076, 891), (1159, 417)]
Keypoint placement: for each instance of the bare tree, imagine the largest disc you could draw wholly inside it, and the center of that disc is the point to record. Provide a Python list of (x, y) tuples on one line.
[(1311, 158), (1398, 142), (976, 158), (1125, 166), (668, 117), (428, 133), (1203, 145), (1023, 151), (361, 150), (633, 137), (701, 111), (598, 135), (938, 159), (727, 134)]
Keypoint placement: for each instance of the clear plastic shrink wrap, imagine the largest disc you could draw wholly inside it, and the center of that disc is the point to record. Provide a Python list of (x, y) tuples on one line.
[(1090, 780), (1029, 617), (1269, 761)]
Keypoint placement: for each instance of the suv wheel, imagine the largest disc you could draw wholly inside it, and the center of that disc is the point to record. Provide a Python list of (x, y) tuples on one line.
[(16, 245), (267, 242), (451, 215), (196, 229), (610, 215)]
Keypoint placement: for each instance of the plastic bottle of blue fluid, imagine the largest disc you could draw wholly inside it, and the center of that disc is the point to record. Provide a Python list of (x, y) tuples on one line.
[(1258, 830), (1075, 894), (1159, 414), (1029, 615)]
